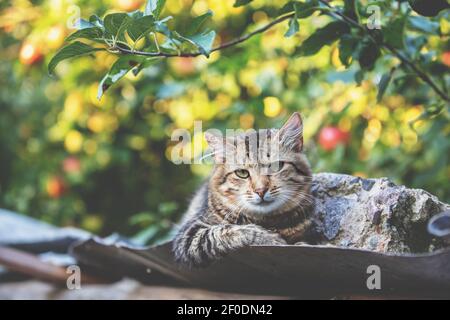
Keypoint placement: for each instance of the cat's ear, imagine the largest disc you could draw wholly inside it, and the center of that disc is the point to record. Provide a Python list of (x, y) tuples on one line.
[(215, 141), (217, 144), (291, 133)]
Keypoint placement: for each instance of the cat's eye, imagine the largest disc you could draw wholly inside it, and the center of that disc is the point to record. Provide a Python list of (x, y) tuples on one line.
[(242, 173)]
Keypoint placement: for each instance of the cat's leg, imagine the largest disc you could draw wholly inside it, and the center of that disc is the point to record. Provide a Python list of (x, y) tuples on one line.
[(198, 245)]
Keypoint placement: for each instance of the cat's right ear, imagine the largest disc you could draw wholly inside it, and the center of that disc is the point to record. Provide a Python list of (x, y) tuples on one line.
[(291, 134)]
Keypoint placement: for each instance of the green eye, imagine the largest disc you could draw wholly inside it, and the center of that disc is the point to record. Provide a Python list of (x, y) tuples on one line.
[(242, 173)]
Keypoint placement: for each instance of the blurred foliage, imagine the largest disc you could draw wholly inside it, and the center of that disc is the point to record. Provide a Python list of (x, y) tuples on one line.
[(71, 159)]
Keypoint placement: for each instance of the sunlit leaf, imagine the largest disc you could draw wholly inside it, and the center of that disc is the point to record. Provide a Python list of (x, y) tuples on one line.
[(140, 27), (204, 41), (197, 22), (154, 8), (144, 64), (94, 33), (119, 69), (75, 49), (116, 24), (293, 27)]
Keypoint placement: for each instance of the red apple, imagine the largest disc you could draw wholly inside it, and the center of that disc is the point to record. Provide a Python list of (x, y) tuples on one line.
[(71, 165), (129, 5), (30, 54), (55, 187), (183, 66), (446, 58), (330, 137)]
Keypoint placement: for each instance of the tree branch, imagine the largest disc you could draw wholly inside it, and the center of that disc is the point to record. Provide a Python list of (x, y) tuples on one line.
[(219, 47), (422, 75), (335, 14)]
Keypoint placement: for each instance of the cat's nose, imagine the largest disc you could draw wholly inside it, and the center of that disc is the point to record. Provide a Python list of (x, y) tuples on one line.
[(261, 192)]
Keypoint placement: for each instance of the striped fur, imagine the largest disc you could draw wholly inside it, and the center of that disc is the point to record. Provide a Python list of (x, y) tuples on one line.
[(229, 211)]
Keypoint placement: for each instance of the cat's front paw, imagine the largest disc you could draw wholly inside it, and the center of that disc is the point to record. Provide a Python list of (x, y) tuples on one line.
[(256, 235)]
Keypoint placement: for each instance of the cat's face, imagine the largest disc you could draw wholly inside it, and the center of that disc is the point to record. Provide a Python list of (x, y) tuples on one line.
[(262, 172)]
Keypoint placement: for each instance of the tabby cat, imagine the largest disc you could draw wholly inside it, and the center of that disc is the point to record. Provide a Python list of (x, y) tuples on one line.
[(248, 202)]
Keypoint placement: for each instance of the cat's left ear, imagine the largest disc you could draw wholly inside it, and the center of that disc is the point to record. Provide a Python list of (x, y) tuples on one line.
[(291, 134)]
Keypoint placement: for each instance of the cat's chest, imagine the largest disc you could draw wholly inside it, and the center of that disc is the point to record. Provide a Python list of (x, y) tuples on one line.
[(291, 226), (294, 233)]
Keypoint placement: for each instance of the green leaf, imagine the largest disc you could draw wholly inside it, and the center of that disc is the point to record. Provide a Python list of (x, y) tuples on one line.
[(305, 9), (141, 27), (240, 3), (136, 14), (394, 32), (347, 47), (414, 45), (154, 8), (428, 8), (323, 36), (368, 53), (144, 64), (384, 83), (116, 24), (197, 23), (161, 27), (424, 25), (83, 24), (287, 8), (359, 76), (96, 21), (430, 112), (203, 41), (119, 69), (75, 49), (142, 218), (93, 33), (351, 9), (293, 27)]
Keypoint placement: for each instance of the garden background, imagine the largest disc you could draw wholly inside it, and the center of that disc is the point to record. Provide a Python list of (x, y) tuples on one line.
[(104, 165)]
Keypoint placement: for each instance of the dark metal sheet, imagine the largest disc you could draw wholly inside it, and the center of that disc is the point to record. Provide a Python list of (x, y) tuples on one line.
[(289, 270)]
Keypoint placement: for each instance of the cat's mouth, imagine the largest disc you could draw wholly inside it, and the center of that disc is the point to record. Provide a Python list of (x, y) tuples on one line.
[(265, 202), (262, 202), (263, 206)]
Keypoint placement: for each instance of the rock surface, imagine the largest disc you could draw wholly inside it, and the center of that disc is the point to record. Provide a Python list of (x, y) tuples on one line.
[(374, 214)]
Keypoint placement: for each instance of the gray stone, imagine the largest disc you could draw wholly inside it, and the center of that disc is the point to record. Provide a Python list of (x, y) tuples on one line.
[(374, 214)]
